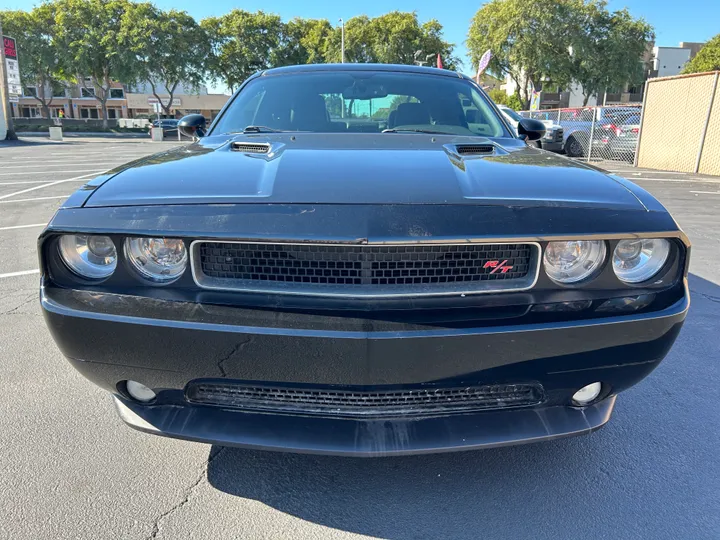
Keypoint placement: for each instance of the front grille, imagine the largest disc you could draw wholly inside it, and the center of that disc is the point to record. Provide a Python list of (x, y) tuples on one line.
[(353, 402), (364, 269)]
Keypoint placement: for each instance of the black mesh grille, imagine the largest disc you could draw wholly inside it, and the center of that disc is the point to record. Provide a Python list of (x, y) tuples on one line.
[(251, 148), (373, 266), (475, 149), (346, 401)]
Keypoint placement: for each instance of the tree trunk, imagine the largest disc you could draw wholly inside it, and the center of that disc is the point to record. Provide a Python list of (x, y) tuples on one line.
[(103, 104)]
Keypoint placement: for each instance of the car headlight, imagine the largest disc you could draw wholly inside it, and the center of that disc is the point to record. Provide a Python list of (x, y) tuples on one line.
[(635, 261), (88, 256), (574, 260), (161, 260)]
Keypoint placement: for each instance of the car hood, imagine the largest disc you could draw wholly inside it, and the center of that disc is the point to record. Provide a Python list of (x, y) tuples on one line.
[(390, 168)]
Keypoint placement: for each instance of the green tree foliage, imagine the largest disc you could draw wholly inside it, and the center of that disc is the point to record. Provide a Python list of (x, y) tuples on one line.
[(707, 59), (559, 41), (305, 41), (90, 35), (529, 41), (243, 43), (608, 48), (394, 38), (502, 98), (170, 48), (39, 54)]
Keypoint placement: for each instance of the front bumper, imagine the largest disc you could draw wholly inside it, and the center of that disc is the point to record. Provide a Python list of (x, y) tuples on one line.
[(163, 344), (364, 438), (552, 146)]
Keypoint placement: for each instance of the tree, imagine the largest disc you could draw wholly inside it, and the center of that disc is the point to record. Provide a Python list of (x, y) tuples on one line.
[(529, 41), (90, 34), (607, 49), (169, 47), (393, 38), (304, 41), (707, 58), (243, 43), (502, 98), (40, 57)]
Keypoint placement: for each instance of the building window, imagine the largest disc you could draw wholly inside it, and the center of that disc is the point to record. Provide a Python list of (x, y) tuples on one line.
[(87, 92), (112, 113), (30, 112), (117, 93), (30, 91), (86, 112), (58, 90)]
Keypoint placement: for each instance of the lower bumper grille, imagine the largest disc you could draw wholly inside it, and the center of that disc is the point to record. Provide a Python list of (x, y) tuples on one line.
[(347, 402), (365, 270)]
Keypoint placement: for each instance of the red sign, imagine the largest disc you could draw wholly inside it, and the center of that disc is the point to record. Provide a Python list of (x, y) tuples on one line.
[(10, 48)]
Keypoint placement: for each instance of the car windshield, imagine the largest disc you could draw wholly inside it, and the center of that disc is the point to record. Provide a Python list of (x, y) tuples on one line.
[(361, 102), (512, 114)]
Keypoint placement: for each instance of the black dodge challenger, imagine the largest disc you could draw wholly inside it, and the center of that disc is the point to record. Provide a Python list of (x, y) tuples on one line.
[(353, 260)]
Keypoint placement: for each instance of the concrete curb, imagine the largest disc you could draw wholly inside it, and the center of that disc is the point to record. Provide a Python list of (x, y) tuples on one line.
[(86, 134)]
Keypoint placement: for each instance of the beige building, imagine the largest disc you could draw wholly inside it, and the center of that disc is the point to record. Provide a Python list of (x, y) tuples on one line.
[(79, 102), (208, 105)]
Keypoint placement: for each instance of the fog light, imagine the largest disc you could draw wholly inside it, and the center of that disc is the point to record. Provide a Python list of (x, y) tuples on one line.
[(587, 393), (139, 391)]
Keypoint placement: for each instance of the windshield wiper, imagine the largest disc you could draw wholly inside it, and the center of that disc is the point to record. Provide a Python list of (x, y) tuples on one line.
[(401, 130), (261, 129)]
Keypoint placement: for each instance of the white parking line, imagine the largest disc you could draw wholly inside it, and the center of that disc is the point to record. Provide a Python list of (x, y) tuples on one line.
[(36, 199), (23, 182), (22, 273), (23, 226), (707, 192), (16, 173), (55, 164), (48, 185)]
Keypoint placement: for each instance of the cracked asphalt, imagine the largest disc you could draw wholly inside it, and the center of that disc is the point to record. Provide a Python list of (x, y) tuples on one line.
[(71, 469)]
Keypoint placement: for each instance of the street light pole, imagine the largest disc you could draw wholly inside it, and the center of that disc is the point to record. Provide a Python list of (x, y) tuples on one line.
[(342, 41)]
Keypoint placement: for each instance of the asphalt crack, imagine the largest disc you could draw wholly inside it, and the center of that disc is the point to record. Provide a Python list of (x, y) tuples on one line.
[(26, 301), (236, 349), (708, 296), (186, 496)]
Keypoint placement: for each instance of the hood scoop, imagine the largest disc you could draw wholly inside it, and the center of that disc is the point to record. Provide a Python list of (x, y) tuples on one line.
[(475, 149), (250, 147)]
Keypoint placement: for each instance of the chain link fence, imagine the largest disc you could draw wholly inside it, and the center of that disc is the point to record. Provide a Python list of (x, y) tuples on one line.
[(596, 133)]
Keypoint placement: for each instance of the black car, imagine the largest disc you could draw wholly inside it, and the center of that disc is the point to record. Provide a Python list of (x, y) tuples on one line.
[(168, 125), (304, 277)]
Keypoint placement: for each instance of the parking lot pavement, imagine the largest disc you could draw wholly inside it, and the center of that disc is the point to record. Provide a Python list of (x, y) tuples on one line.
[(70, 469)]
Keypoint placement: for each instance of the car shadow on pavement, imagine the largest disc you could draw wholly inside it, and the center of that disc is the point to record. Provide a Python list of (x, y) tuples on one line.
[(650, 473)]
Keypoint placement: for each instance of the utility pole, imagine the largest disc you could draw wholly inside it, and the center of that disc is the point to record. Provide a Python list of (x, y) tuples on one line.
[(5, 92), (342, 41)]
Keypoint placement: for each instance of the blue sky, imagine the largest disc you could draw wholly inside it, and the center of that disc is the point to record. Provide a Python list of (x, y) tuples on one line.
[(674, 21)]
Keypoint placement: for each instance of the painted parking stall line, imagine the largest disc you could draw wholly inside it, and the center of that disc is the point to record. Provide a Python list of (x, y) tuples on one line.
[(22, 226), (21, 273), (36, 199), (50, 184)]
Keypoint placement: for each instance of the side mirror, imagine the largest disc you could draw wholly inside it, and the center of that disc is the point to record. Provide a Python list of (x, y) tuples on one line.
[(471, 116), (530, 129), (192, 125)]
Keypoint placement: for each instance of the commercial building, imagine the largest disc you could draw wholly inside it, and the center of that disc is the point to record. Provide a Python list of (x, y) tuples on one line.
[(78, 102)]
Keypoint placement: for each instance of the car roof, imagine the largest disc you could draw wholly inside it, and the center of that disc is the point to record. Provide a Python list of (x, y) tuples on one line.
[(398, 68)]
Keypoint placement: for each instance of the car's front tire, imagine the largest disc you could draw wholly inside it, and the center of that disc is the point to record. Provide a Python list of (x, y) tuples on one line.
[(574, 148)]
